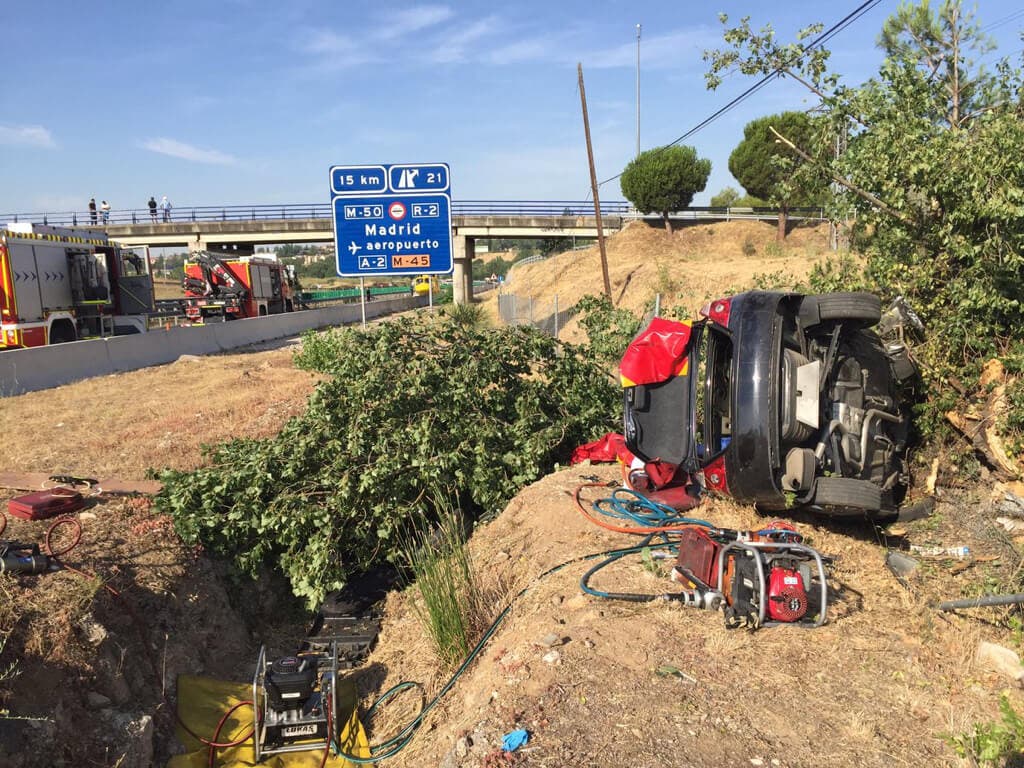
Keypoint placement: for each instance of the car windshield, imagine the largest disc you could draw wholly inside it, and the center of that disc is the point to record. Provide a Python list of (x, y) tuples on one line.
[(713, 396)]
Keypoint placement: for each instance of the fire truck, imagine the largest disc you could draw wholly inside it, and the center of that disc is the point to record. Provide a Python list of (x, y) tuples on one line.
[(59, 284), (219, 289)]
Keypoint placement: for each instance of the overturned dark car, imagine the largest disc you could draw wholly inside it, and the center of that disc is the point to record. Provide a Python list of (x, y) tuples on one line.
[(779, 399)]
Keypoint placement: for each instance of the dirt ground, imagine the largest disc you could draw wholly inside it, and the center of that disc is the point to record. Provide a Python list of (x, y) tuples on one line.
[(595, 682), (692, 265)]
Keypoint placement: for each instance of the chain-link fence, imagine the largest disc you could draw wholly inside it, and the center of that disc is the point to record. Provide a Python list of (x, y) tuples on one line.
[(525, 310), (546, 315)]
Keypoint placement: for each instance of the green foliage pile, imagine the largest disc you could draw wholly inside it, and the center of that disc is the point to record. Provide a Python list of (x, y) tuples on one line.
[(609, 330), (665, 179), (415, 413)]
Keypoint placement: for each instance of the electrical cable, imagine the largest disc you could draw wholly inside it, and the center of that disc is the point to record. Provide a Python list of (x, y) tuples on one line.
[(1001, 22), (824, 37)]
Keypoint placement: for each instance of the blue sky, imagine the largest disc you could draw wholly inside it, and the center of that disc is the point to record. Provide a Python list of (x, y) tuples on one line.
[(248, 101)]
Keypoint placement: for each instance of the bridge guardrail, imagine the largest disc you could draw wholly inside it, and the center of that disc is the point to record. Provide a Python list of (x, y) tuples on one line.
[(265, 212)]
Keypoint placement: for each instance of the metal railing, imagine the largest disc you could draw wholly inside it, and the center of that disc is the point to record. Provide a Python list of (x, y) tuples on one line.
[(284, 212), (186, 214)]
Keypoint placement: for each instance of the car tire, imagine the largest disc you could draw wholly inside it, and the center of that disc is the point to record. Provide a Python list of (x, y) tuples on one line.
[(847, 496), (861, 309)]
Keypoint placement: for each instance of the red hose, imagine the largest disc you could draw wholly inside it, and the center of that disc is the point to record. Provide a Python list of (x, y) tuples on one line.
[(214, 745)]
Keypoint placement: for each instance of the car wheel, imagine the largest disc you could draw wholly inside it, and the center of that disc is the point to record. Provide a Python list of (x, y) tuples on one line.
[(862, 309), (847, 496)]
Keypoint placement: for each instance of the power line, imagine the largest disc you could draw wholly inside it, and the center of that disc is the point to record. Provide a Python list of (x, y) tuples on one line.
[(818, 41), (1005, 20)]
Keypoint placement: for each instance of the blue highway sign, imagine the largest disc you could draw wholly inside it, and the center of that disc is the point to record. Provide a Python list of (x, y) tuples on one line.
[(392, 219)]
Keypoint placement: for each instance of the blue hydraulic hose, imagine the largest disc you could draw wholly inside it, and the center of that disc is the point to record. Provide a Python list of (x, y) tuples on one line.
[(627, 504)]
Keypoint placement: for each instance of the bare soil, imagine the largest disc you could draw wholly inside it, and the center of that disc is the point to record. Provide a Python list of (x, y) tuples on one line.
[(687, 268), (643, 684)]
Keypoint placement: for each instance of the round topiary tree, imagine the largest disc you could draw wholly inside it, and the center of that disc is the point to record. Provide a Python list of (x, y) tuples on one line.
[(665, 179), (767, 169)]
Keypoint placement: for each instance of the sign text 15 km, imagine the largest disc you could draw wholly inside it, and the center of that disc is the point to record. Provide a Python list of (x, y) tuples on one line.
[(392, 219)]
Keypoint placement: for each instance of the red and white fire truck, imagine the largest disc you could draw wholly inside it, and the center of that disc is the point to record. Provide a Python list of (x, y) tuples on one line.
[(59, 284), (218, 289)]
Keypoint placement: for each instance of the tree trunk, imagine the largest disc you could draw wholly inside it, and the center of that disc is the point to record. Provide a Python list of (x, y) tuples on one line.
[(780, 236), (668, 222)]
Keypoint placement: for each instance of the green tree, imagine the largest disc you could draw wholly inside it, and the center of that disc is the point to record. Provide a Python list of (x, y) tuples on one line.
[(936, 41), (934, 170), (770, 171), (288, 251), (725, 198), (664, 180)]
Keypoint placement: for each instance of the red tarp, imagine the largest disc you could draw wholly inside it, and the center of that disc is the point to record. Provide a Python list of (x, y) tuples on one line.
[(657, 354)]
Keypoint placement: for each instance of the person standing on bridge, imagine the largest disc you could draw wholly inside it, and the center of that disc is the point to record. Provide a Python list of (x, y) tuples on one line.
[(166, 206), (105, 210), (92, 210), (152, 208)]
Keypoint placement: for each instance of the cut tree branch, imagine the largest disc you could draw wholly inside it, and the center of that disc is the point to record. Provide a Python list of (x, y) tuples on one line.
[(840, 180)]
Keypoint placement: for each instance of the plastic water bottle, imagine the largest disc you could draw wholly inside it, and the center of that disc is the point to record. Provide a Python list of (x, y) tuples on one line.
[(960, 553)]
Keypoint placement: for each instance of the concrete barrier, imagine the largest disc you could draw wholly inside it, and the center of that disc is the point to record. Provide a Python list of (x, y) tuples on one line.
[(28, 370), (127, 353)]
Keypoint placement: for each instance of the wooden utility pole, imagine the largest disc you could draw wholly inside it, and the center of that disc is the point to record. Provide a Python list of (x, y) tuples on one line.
[(593, 186)]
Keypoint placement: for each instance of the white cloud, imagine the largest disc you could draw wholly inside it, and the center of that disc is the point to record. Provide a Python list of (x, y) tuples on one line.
[(674, 50), (453, 44), (411, 20), (532, 49), (27, 136), (333, 51), (179, 149)]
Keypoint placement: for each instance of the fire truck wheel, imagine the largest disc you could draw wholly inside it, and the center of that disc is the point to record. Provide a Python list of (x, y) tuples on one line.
[(62, 332)]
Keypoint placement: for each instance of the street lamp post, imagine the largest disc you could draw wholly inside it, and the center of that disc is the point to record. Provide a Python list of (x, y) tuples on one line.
[(638, 90)]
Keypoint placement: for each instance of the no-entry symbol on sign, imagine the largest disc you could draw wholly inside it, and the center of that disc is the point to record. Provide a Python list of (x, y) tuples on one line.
[(396, 210)]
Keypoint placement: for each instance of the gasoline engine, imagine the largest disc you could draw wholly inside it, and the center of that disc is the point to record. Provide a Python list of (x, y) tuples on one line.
[(296, 697), (757, 578)]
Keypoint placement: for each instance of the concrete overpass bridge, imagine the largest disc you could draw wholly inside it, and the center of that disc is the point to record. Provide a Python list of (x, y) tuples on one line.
[(239, 228)]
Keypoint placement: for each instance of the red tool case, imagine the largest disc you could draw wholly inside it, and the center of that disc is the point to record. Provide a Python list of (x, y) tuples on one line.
[(43, 504)]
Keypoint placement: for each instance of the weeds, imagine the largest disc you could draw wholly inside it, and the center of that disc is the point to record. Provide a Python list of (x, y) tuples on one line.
[(991, 743), (668, 284), (448, 600), (469, 316), (7, 672)]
